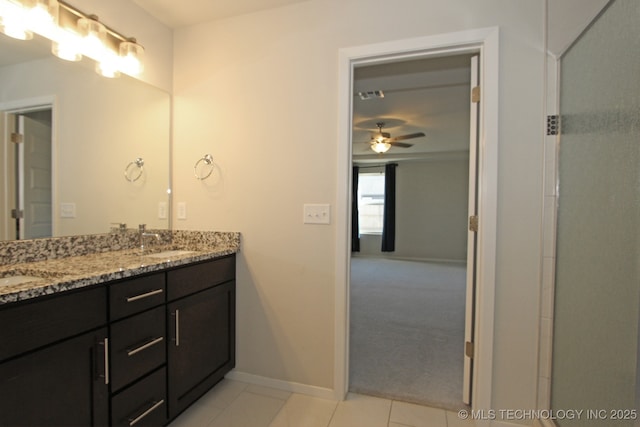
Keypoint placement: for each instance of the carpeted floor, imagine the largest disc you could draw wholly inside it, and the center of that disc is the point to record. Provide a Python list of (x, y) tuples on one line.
[(407, 331)]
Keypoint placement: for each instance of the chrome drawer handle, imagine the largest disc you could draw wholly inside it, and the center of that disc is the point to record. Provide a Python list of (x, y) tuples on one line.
[(105, 344), (156, 405), (145, 295), (145, 346), (177, 338)]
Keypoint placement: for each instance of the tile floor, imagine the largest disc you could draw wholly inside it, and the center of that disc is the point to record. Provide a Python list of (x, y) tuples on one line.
[(237, 404)]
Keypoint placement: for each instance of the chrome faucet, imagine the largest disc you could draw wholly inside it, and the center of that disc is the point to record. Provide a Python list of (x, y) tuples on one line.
[(143, 233)]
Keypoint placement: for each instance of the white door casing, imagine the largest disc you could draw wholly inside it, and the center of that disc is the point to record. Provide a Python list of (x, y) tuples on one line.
[(469, 337), (486, 42)]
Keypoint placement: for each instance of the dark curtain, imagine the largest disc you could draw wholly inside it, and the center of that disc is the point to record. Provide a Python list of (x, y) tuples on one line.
[(355, 226), (389, 219)]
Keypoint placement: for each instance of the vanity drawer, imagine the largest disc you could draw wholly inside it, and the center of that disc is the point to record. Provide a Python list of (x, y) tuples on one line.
[(134, 295), (138, 345), (41, 321), (142, 404), (187, 280)]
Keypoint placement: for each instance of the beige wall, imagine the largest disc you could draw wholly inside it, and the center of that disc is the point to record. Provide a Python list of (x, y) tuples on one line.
[(259, 92), (431, 212)]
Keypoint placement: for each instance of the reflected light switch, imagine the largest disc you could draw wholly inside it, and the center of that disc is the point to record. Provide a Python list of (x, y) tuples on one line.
[(316, 214), (162, 210), (182, 210), (67, 210)]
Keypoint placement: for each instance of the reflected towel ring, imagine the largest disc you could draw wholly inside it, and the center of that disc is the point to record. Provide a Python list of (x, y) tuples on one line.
[(208, 160), (130, 169)]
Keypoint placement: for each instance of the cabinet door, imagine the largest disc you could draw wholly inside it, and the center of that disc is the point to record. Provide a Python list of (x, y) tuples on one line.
[(60, 385), (202, 348)]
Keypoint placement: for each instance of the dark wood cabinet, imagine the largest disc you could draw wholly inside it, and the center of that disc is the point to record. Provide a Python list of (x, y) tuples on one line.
[(137, 346), (54, 361), (61, 385), (138, 351), (132, 352), (142, 404), (202, 331)]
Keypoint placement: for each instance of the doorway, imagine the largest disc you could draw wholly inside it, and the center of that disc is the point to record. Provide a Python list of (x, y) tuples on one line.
[(27, 210), (407, 304), (486, 42)]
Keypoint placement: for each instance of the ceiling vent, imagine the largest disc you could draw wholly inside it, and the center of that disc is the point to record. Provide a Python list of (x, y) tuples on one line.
[(372, 94)]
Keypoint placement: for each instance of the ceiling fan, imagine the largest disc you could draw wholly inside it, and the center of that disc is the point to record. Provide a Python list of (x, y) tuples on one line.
[(381, 142)]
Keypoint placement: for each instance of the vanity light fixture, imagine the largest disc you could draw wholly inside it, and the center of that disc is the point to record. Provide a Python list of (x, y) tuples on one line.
[(73, 33)]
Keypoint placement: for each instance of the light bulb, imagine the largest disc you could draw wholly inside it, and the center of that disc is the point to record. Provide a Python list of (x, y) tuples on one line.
[(94, 36), (42, 16), (380, 147), (109, 64), (13, 21), (130, 55), (67, 46)]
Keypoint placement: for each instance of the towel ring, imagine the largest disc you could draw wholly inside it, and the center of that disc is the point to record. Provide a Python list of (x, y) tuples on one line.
[(208, 160), (130, 169)]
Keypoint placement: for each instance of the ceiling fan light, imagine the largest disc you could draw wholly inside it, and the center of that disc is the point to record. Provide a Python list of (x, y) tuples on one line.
[(380, 147)]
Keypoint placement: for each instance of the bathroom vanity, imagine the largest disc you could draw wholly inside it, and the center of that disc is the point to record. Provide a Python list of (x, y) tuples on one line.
[(115, 338)]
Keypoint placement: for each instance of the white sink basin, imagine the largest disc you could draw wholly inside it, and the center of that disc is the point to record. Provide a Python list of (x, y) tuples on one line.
[(169, 254), (17, 280)]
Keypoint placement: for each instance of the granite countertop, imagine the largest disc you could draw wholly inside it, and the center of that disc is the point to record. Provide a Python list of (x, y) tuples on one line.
[(62, 274)]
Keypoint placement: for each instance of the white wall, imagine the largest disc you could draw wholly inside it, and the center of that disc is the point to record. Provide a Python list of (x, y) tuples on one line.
[(431, 212), (567, 20), (259, 92)]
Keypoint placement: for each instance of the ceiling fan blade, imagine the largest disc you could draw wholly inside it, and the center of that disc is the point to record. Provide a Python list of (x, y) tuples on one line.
[(400, 144), (409, 136)]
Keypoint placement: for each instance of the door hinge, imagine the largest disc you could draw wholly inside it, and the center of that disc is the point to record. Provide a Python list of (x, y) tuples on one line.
[(553, 124), (475, 94), (17, 138), (468, 349), (17, 213), (473, 223)]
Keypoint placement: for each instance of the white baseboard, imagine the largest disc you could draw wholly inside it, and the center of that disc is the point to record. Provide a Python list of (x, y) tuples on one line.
[(416, 259), (320, 392)]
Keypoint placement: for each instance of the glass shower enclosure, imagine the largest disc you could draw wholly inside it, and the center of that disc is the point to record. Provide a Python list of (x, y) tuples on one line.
[(597, 283)]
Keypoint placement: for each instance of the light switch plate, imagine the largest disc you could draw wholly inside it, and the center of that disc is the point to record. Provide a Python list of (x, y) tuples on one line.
[(67, 210), (162, 210), (182, 210), (316, 214)]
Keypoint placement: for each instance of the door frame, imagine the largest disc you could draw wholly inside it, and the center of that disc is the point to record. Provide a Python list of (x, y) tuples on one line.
[(485, 41), (24, 106)]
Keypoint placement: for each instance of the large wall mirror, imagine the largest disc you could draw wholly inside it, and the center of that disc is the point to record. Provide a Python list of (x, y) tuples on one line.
[(94, 151)]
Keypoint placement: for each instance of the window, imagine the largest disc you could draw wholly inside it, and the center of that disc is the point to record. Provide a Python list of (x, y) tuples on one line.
[(370, 202)]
